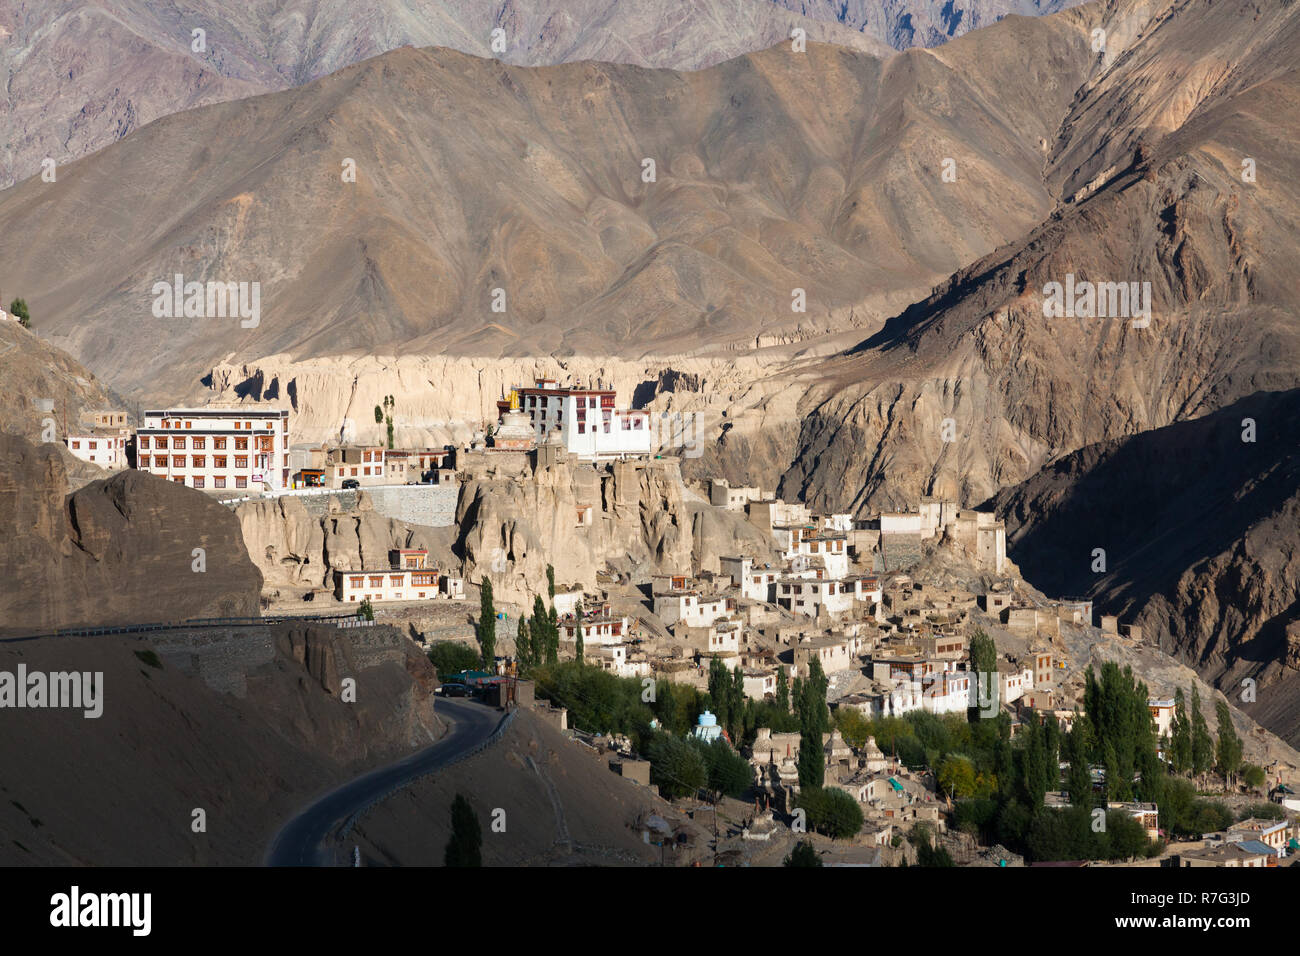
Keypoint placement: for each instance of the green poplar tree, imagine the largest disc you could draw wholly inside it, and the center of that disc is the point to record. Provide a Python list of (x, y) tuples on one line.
[(552, 636), (523, 645), (736, 706), (1180, 738), (487, 624), (1202, 743), (814, 719), (1229, 750), (1079, 779), (719, 690), (581, 649), (782, 690)]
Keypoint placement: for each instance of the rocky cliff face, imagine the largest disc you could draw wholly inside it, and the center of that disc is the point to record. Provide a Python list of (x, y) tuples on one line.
[(1200, 525), (735, 417), (977, 387), (295, 548), (908, 23), (642, 523), (120, 550)]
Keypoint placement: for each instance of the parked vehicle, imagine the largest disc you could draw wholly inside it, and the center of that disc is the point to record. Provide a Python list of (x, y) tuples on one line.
[(351, 483)]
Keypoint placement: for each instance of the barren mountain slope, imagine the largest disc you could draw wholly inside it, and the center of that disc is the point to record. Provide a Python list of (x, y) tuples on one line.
[(1170, 205), (819, 171), (84, 73), (1200, 525), (248, 736)]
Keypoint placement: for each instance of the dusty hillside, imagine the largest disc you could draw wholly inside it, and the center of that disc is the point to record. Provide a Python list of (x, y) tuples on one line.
[(84, 74), (1162, 202), (171, 740), (120, 550), (1202, 538), (563, 807), (776, 171)]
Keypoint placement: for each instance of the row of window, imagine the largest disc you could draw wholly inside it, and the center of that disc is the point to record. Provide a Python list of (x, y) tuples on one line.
[(94, 445), (189, 426), (200, 461), (218, 442), (218, 482), (426, 578)]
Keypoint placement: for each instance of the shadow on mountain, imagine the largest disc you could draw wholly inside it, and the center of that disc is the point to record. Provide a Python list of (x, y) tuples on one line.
[(1197, 523)]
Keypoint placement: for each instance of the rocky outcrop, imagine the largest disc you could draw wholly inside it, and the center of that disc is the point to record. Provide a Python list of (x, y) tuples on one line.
[(643, 521), (295, 547), (46, 391), (128, 549)]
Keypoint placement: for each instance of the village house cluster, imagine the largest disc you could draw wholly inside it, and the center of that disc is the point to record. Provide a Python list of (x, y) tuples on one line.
[(889, 645)]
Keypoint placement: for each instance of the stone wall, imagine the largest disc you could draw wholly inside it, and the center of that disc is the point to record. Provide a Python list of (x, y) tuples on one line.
[(220, 657), (433, 506), (223, 657)]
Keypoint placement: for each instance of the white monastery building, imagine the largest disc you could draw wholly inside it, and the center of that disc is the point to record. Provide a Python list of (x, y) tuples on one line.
[(215, 448), (586, 420)]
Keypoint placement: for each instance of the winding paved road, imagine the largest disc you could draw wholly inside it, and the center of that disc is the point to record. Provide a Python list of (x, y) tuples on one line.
[(299, 841)]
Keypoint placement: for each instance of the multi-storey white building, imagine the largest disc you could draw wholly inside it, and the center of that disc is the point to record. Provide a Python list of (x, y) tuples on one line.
[(586, 420), (754, 583), (758, 683), (808, 594), (831, 547), (614, 659), (949, 692), (217, 449)]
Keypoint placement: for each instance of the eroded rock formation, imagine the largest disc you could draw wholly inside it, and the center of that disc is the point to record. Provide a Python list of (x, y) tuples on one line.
[(128, 549)]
